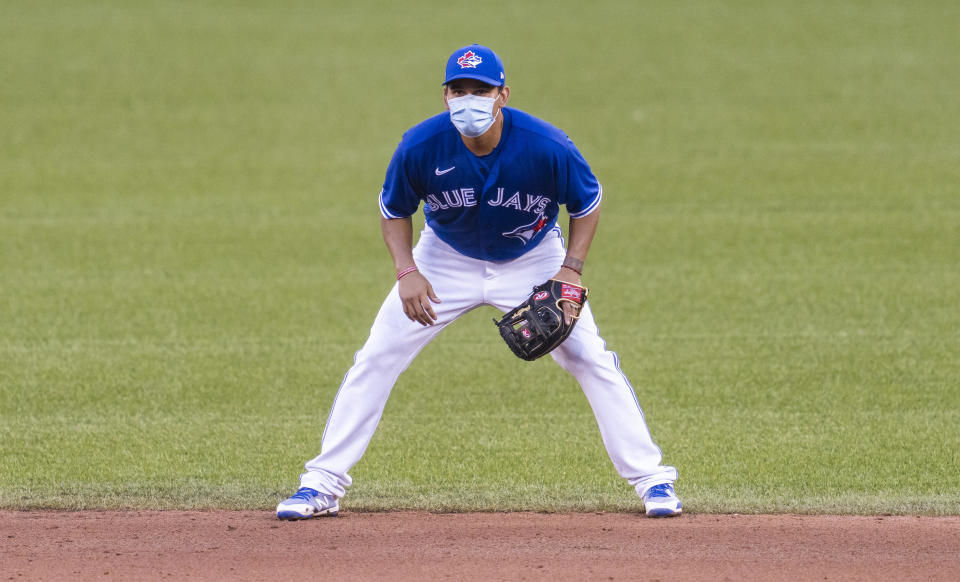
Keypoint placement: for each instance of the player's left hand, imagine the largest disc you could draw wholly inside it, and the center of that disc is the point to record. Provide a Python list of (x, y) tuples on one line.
[(568, 276)]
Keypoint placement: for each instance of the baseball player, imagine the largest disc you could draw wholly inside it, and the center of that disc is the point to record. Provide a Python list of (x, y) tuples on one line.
[(491, 180)]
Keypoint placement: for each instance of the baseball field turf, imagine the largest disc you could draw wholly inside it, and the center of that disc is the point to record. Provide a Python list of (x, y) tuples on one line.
[(190, 252)]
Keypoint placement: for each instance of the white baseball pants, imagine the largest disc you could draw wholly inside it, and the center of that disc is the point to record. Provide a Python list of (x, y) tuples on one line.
[(463, 283)]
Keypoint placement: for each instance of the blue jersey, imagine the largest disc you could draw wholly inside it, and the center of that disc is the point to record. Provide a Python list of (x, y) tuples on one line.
[(494, 207)]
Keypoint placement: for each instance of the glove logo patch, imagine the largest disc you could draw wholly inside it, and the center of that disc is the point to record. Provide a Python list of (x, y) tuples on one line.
[(570, 292), (525, 332), (541, 296)]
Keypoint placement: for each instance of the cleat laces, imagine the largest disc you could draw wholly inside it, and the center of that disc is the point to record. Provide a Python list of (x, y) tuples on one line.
[(662, 490), (305, 493)]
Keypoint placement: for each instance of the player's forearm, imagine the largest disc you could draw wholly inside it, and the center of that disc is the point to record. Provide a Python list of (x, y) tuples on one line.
[(581, 235), (398, 236)]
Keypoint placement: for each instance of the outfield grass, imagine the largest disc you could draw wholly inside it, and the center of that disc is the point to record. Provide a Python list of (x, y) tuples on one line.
[(190, 253)]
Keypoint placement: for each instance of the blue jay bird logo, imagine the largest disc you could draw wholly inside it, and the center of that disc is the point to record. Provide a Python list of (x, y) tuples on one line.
[(528, 231)]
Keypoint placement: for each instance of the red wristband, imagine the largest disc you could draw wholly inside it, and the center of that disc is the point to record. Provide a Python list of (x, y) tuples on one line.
[(572, 269), (406, 271)]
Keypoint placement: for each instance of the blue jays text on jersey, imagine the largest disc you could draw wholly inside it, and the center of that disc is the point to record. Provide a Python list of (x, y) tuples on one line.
[(494, 207)]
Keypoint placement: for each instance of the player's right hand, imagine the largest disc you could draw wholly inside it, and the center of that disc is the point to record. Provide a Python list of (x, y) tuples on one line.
[(416, 293)]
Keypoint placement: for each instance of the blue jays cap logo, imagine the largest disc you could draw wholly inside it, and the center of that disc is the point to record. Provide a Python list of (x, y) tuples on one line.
[(475, 62), (469, 60)]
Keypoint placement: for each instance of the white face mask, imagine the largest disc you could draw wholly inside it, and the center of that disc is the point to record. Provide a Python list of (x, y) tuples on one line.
[(472, 114)]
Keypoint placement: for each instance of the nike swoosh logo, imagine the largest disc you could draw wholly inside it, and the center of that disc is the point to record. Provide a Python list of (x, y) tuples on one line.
[(440, 172)]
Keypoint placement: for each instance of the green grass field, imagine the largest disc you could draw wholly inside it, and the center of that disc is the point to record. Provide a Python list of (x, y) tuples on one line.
[(190, 252)]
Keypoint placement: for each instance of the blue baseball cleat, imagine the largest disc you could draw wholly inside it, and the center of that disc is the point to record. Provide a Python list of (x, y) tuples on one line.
[(662, 501), (307, 503)]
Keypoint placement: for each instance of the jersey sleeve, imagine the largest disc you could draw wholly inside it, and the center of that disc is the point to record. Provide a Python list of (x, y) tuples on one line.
[(398, 197), (581, 190)]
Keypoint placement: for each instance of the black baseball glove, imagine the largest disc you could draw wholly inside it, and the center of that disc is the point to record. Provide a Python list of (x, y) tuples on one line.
[(537, 325)]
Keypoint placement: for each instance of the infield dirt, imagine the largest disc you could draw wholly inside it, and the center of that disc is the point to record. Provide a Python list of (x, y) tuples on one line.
[(248, 545)]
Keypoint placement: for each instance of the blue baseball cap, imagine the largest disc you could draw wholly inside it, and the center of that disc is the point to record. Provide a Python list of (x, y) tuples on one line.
[(475, 62)]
